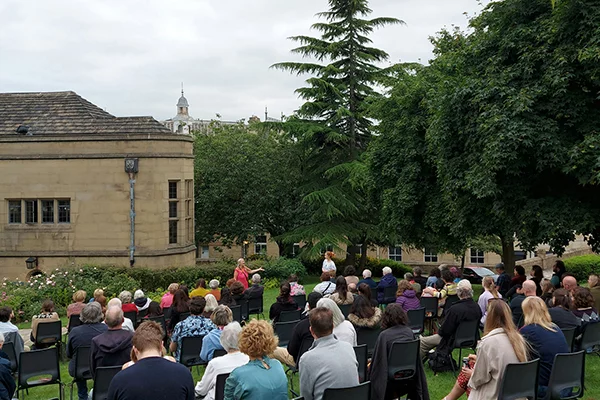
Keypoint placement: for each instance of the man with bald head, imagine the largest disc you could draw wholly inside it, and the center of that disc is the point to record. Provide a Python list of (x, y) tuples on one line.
[(569, 282), (528, 289), (127, 323), (112, 347)]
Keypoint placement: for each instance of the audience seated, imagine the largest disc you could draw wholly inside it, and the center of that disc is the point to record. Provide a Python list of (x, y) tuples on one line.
[(167, 300), (141, 301), (353, 289), (350, 275), (569, 282), (415, 286), (583, 303), (127, 323), (222, 365), (547, 290), (214, 289), (126, 302), (154, 310), (407, 296), (558, 271), (500, 345), (7, 382), (519, 276), (256, 290), (365, 291), (449, 288), (342, 329), (78, 303), (594, 285), (200, 290), (221, 316), (537, 275), (193, 326), (341, 295), (419, 278), (464, 310), (262, 377), (490, 292), (363, 314), (97, 293), (435, 280), (227, 298), (528, 289), (326, 286), (296, 288), (211, 305), (388, 280), (284, 302), (330, 363), (181, 304), (560, 312), (368, 280), (545, 338), (10, 331), (152, 376), (92, 326), (503, 280), (47, 315), (112, 347), (237, 292)]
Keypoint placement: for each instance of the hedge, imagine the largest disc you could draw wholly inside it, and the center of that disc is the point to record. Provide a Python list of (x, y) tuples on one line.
[(583, 266)]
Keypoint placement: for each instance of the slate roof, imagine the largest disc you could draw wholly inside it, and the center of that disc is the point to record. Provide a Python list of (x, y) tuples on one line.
[(67, 113)]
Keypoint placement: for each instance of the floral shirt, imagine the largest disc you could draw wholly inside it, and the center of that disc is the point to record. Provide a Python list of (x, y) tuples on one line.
[(192, 326), (296, 289)]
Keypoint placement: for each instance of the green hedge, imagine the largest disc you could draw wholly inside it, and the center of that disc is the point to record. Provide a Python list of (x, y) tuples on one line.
[(583, 266)]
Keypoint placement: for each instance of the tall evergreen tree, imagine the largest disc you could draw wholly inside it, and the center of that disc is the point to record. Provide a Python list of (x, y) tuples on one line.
[(334, 126)]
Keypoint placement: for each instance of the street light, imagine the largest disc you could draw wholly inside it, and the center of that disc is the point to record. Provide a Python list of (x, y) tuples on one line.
[(32, 262)]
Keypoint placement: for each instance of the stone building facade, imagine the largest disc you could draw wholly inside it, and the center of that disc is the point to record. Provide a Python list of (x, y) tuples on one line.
[(65, 191)]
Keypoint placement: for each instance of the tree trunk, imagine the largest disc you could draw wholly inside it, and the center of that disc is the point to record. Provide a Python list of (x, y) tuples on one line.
[(363, 257), (462, 263), (508, 254), (351, 256), (282, 249)]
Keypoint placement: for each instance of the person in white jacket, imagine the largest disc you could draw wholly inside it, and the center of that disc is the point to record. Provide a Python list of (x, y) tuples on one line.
[(224, 364)]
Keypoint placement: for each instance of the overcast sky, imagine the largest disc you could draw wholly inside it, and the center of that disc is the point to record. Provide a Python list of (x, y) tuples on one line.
[(130, 56)]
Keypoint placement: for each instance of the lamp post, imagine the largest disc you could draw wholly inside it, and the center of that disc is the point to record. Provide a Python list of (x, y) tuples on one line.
[(32, 263)]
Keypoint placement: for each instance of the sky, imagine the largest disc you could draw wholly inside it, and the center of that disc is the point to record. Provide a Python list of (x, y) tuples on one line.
[(130, 57)]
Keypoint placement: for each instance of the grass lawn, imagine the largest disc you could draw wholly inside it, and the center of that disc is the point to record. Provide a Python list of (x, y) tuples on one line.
[(439, 385)]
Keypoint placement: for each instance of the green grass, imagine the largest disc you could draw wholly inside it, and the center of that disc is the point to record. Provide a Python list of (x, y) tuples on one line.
[(439, 385)]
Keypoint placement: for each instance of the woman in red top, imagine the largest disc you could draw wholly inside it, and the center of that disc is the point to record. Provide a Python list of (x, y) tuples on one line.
[(242, 272)]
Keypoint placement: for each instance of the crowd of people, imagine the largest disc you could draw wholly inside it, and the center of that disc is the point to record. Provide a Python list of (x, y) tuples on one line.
[(521, 319)]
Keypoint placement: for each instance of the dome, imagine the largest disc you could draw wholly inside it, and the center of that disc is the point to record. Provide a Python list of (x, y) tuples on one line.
[(182, 101)]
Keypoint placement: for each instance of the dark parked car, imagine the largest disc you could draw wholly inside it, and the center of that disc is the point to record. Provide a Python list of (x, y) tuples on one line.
[(476, 274)]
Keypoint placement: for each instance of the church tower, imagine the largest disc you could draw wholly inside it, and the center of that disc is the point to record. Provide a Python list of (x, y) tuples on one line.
[(182, 105)]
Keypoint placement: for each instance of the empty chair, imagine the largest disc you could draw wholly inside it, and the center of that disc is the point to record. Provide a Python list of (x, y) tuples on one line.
[(361, 357), (570, 336), (237, 313), (41, 364), (465, 337), (287, 316), (360, 392), (220, 386), (591, 337), (255, 306), (284, 331), (389, 294), (567, 376), (416, 320), (9, 349), (369, 337), (104, 375), (402, 360), (345, 309), (190, 351), (48, 333), (82, 366), (219, 353), (74, 321), (300, 299), (520, 380)]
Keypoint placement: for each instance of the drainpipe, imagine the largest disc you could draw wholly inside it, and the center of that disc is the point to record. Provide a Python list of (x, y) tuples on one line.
[(131, 167)]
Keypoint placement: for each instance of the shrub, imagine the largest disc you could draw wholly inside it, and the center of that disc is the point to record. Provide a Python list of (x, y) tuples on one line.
[(583, 266), (281, 268)]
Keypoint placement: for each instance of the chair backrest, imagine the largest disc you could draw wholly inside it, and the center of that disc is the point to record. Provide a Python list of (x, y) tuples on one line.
[(345, 309), (591, 336), (74, 321), (361, 356), (167, 313), (389, 293), (220, 386), (245, 308), (48, 332), (416, 320), (520, 380), (360, 392), (142, 314), (466, 334), (402, 360), (306, 344), (184, 315), (191, 347), (450, 301), (9, 349), (162, 322), (36, 363), (82, 363), (431, 305), (300, 299), (255, 305), (287, 316), (219, 353), (368, 336), (568, 372), (132, 315), (237, 313), (104, 375), (569, 336), (284, 331)]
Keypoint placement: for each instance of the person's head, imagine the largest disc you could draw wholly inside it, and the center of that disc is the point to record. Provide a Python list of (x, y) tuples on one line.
[(349, 270), (213, 284), (535, 312), (490, 286), (185, 289), (386, 271), (237, 288), (114, 318), (569, 282), (519, 270), (562, 298), (338, 316), (447, 276), (537, 272), (529, 288), (48, 306), (6, 314), (341, 287), (352, 288), (293, 278), (226, 296), (364, 290), (154, 309), (409, 276), (257, 339), (593, 281), (79, 296), (362, 307), (321, 322), (201, 283), (148, 338), (139, 294), (115, 302), (393, 315), (367, 274), (500, 316), (230, 282), (284, 290), (403, 286), (332, 274), (255, 279), (547, 286), (500, 268), (329, 255), (417, 271), (125, 297), (464, 290), (91, 313), (435, 272), (221, 316), (582, 297), (180, 300), (325, 277), (312, 299), (559, 268), (241, 262), (455, 272), (173, 288), (197, 305), (230, 336), (211, 303), (98, 292)]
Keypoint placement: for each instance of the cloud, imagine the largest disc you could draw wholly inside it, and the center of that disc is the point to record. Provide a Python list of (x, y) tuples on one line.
[(129, 56)]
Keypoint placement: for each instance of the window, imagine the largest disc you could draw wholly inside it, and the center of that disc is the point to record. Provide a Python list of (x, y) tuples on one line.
[(173, 212), (173, 231), (173, 186), (430, 255), (172, 209), (64, 211), (31, 212), (395, 253), (205, 253), (296, 249), (14, 211), (477, 257), (189, 211), (260, 245), (47, 211)]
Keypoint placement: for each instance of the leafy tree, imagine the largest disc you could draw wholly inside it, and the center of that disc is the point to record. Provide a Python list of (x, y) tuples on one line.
[(334, 127)]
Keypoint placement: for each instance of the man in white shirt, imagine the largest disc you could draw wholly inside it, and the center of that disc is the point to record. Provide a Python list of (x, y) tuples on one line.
[(10, 331), (127, 323)]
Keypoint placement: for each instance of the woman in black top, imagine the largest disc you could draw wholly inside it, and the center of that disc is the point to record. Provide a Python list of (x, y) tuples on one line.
[(180, 305), (560, 312), (227, 298), (284, 302), (537, 275)]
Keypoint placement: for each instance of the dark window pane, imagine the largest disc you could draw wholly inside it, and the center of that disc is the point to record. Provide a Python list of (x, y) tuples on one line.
[(14, 211), (173, 209), (31, 212), (64, 211), (173, 189), (47, 211), (173, 232)]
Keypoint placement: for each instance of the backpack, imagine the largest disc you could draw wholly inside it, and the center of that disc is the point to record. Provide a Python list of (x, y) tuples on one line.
[(441, 362)]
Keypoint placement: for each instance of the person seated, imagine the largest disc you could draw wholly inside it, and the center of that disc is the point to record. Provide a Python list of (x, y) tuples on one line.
[(558, 271), (97, 293), (583, 302), (317, 372), (490, 293), (78, 303), (112, 347), (342, 328), (7, 382), (388, 280), (560, 311), (449, 288), (237, 292), (547, 290), (416, 286), (527, 290), (368, 280), (569, 282), (193, 326), (11, 331), (151, 376), (181, 305), (353, 289), (363, 315), (154, 310), (211, 305), (229, 339), (326, 286), (365, 291), (141, 301), (256, 290), (127, 323), (545, 339), (126, 304), (341, 295), (594, 285), (296, 288), (214, 289), (221, 316), (394, 325), (406, 296), (200, 290), (537, 274), (500, 345), (262, 377), (47, 315), (82, 335), (518, 278), (227, 298), (167, 300), (434, 280), (350, 275), (465, 309), (284, 302)]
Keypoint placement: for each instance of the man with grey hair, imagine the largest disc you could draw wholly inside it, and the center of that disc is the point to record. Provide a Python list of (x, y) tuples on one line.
[(367, 280), (7, 382), (127, 323), (224, 364), (465, 309), (388, 281), (419, 278), (256, 290), (80, 336), (112, 347)]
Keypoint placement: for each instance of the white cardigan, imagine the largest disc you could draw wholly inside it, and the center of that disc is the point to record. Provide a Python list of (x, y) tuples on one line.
[(217, 366)]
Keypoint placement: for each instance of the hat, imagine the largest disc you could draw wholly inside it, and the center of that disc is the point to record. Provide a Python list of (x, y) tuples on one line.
[(500, 265), (464, 284)]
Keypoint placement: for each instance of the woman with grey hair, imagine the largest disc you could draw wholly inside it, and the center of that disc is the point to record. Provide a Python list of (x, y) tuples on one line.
[(221, 316), (224, 364), (211, 305), (214, 289), (342, 329), (126, 297)]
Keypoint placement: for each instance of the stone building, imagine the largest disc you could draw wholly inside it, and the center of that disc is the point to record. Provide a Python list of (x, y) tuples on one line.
[(67, 173)]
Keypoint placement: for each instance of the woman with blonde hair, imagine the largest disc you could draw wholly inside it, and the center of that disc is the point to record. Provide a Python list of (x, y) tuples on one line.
[(501, 345), (167, 300), (242, 272), (211, 305), (78, 303), (490, 292)]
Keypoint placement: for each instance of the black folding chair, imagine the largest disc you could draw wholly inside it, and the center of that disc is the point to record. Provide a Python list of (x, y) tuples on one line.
[(220, 386), (389, 294), (184, 315), (567, 376), (219, 353), (191, 347), (41, 364), (300, 299), (345, 309), (48, 334), (402, 360), (237, 313), (167, 313), (104, 375), (591, 338), (449, 302), (161, 321), (132, 315), (416, 320), (361, 356), (9, 349), (82, 366), (465, 338), (74, 321), (369, 337), (306, 344), (142, 314), (431, 310), (569, 336), (287, 316), (520, 380), (255, 306), (284, 331), (360, 392)]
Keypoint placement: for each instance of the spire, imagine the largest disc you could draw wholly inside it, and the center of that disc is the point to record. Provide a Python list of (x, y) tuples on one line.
[(181, 88)]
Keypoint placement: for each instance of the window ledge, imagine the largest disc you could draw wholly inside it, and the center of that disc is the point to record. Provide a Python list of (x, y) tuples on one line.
[(39, 227)]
